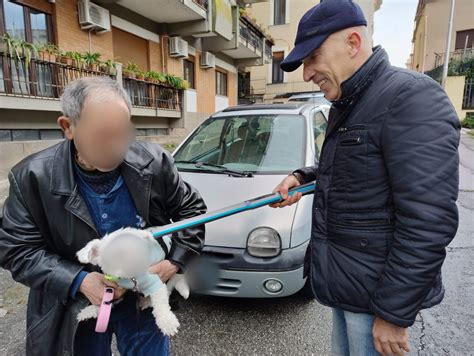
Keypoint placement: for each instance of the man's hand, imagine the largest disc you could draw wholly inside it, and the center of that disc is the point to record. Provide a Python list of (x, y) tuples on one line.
[(93, 287), (390, 339), (287, 183), (164, 269)]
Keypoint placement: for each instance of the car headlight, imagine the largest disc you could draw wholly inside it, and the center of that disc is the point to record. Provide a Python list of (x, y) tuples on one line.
[(264, 242)]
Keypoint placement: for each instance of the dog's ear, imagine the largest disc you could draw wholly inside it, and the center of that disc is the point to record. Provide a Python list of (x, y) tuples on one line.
[(90, 252)]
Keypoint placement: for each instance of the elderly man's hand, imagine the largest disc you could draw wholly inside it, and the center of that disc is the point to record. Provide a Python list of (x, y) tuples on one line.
[(282, 188), (390, 339), (164, 269), (93, 287)]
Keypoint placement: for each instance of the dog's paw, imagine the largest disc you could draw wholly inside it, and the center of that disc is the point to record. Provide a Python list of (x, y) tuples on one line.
[(168, 324)]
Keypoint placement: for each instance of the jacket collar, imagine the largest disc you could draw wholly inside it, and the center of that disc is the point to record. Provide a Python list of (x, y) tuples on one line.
[(353, 87), (63, 181), (134, 173)]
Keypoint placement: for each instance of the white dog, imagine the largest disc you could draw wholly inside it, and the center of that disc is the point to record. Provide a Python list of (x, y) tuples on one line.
[(125, 256)]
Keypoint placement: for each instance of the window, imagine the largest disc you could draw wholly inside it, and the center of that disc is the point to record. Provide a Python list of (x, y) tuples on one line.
[(221, 83), (33, 26), (319, 129), (188, 71), (279, 12), (464, 38), (25, 23), (277, 72), (250, 143)]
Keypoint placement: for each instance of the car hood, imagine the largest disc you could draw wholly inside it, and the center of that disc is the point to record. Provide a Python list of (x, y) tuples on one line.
[(220, 191)]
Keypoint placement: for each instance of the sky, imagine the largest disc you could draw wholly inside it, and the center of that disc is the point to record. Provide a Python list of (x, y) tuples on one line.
[(393, 29)]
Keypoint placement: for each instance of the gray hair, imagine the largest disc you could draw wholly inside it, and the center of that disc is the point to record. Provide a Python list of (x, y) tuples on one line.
[(96, 88)]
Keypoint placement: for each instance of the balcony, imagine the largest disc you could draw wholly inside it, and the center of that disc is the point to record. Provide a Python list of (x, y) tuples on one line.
[(456, 56), (250, 42), (169, 11), (39, 85), (249, 46)]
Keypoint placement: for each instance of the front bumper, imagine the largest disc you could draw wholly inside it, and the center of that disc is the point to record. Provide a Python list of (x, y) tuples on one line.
[(244, 276)]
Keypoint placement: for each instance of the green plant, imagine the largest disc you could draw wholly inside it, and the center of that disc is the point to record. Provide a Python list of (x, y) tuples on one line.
[(155, 77), (108, 66), (91, 59), (18, 48), (131, 67), (78, 59), (176, 82), (140, 74), (47, 51), (468, 122)]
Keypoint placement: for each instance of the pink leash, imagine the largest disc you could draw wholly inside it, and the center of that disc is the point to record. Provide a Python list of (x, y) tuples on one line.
[(104, 311)]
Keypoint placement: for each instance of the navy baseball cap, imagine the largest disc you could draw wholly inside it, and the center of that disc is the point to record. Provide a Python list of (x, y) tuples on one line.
[(318, 24)]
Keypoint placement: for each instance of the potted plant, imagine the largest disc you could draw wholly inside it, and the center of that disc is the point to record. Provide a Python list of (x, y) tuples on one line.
[(130, 70), (140, 75), (91, 60), (7, 45), (108, 67), (67, 58), (77, 60), (21, 49), (48, 52)]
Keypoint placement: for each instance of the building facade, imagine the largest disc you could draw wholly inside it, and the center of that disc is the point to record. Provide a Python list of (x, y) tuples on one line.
[(281, 17), (148, 46)]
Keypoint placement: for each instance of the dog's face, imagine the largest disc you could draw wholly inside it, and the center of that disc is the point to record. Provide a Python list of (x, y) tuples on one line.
[(124, 253)]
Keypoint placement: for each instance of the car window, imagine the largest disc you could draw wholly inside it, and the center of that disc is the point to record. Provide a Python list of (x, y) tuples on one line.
[(273, 144), (319, 129)]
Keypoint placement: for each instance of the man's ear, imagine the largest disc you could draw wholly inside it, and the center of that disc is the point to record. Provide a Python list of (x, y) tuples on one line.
[(354, 41), (90, 252), (66, 125)]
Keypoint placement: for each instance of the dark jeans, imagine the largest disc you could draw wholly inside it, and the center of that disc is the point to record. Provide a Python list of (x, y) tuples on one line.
[(136, 335)]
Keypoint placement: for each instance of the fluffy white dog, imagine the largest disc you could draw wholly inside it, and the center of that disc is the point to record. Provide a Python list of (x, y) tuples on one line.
[(125, 256)]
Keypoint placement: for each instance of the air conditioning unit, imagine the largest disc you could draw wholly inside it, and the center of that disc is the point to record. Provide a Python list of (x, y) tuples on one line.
[(93, 17), (178, 47), (208, 60)]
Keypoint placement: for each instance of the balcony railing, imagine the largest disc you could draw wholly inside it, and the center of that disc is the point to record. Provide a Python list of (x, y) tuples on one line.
[(250, 35), (458, 55), (38, 79), (47, 80), (151, 95)]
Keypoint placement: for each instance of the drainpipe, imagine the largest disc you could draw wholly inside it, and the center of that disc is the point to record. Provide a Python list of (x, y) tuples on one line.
[(424, 44), (163, 52), (448, 44)]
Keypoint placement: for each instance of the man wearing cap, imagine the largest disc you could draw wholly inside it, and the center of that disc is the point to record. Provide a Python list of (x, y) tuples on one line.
[(384, 209)]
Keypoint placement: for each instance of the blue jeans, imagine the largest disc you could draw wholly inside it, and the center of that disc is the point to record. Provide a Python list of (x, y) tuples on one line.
[(135, 335), (352, 334)]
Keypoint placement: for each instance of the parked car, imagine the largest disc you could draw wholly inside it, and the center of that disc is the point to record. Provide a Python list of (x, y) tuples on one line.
[(316, 98), (241, 153)]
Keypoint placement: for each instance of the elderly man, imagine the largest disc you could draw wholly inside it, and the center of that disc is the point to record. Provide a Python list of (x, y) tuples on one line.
[(96, 181), (386, 184)]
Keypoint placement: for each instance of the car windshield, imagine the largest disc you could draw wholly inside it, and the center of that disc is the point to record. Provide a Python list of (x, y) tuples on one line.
[(271, 144)]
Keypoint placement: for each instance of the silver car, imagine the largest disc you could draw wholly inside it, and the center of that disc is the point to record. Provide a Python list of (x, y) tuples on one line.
[(241, 153)]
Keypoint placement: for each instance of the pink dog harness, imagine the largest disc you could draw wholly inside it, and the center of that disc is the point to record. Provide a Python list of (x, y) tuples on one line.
[(104, 311)]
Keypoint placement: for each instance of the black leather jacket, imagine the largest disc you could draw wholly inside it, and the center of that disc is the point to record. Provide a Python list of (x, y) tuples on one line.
[(46, 221)]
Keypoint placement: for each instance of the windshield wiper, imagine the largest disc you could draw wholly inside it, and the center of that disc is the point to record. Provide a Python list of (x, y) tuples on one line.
[(222, 169)]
